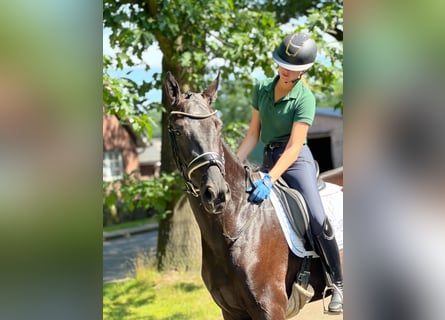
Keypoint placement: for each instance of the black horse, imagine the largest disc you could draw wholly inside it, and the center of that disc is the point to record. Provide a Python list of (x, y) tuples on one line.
[(247, 265)]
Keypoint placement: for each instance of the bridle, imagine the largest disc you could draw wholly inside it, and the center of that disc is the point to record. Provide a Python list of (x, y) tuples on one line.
[(206, 159)]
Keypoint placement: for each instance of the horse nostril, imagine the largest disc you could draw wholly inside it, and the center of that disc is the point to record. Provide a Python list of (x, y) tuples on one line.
[(209, 194)]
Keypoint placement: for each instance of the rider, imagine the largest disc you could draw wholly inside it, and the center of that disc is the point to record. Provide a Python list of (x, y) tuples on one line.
[(283, 110)]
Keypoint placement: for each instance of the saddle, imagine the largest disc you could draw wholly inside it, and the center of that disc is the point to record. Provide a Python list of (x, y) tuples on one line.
[(293, 203)]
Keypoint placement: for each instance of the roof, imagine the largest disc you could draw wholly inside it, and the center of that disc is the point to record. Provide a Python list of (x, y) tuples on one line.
[(151, 153), (329, 111)]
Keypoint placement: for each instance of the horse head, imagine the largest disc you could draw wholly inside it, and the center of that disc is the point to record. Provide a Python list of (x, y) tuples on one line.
[(195, 136)]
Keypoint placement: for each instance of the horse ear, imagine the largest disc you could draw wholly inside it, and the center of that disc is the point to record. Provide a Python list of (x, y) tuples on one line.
[(172, 88), (210, 93)]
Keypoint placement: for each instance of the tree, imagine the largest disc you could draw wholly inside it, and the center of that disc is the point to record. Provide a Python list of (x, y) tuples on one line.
[(325, 22), (196, 38)]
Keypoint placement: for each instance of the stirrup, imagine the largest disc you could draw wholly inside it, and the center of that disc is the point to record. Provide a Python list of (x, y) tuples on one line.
[(334, 288)]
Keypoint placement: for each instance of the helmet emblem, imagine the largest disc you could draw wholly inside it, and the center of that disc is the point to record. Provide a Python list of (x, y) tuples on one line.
[(290, 44)]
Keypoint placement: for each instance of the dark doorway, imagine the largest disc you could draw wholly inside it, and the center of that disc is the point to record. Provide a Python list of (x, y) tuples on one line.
[(321, 148)]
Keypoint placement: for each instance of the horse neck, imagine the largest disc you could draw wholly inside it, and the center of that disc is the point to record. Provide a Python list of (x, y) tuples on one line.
[(235, 169), (238, 212)]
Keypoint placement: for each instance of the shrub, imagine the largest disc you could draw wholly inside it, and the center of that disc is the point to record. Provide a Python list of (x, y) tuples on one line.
[(125, 199)]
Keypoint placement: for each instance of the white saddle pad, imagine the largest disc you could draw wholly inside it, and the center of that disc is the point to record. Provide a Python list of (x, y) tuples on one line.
[(332, 198)]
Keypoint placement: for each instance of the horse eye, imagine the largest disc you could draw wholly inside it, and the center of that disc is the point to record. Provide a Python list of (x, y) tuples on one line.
[(176, 132)]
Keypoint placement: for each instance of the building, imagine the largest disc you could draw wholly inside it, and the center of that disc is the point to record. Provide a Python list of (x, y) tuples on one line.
[(150, 159), (325, 138), (120, 149)]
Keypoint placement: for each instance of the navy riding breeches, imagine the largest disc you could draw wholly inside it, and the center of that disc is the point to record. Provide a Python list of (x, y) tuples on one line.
[(301, 175)]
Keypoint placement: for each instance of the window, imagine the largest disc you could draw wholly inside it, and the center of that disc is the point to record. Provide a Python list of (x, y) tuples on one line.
[(113, 166)]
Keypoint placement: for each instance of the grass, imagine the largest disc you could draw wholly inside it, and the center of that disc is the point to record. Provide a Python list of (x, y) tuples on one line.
[(130, 224), (152, 295)]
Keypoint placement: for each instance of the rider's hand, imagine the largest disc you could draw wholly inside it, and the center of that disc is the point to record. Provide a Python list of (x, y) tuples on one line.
[(261, 190)]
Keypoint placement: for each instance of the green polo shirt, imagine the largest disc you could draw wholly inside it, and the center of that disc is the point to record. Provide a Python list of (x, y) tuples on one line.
[(278, 118)]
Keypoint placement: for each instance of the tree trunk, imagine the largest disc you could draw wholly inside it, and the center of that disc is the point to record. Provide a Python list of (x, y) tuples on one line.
[(179, 240)]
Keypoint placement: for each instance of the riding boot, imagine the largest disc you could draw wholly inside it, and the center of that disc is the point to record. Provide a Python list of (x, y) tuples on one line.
[(330, 256)]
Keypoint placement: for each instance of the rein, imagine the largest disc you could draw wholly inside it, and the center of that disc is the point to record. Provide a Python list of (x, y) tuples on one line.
[(206, 159)]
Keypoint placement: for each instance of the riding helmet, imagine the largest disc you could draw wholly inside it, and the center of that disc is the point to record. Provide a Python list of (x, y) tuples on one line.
[(296, 52)]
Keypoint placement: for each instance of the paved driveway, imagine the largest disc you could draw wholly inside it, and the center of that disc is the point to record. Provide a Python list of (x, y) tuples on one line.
[(119, 254)]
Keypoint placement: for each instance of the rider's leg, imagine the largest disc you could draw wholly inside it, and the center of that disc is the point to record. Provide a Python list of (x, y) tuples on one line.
[(329, 253), (302, 176)]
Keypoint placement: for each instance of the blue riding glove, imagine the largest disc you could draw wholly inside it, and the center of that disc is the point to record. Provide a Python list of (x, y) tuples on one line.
[(261, 190)]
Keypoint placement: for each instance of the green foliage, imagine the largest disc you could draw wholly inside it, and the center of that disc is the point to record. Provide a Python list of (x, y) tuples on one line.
[(156, 118), (325, 24), (193, 35), (131, 193), (233, 133), (234, 104), (124, 98), (285, 10), (235, 100)]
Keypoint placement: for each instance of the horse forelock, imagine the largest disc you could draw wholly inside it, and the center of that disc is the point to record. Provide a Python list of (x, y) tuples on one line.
[(195, 103)]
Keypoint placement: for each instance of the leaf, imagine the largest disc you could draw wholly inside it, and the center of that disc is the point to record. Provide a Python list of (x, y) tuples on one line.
[(186, 59)]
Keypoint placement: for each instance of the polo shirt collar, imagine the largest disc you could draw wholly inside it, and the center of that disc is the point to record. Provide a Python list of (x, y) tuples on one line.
[(293, 94), (271, 85)]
